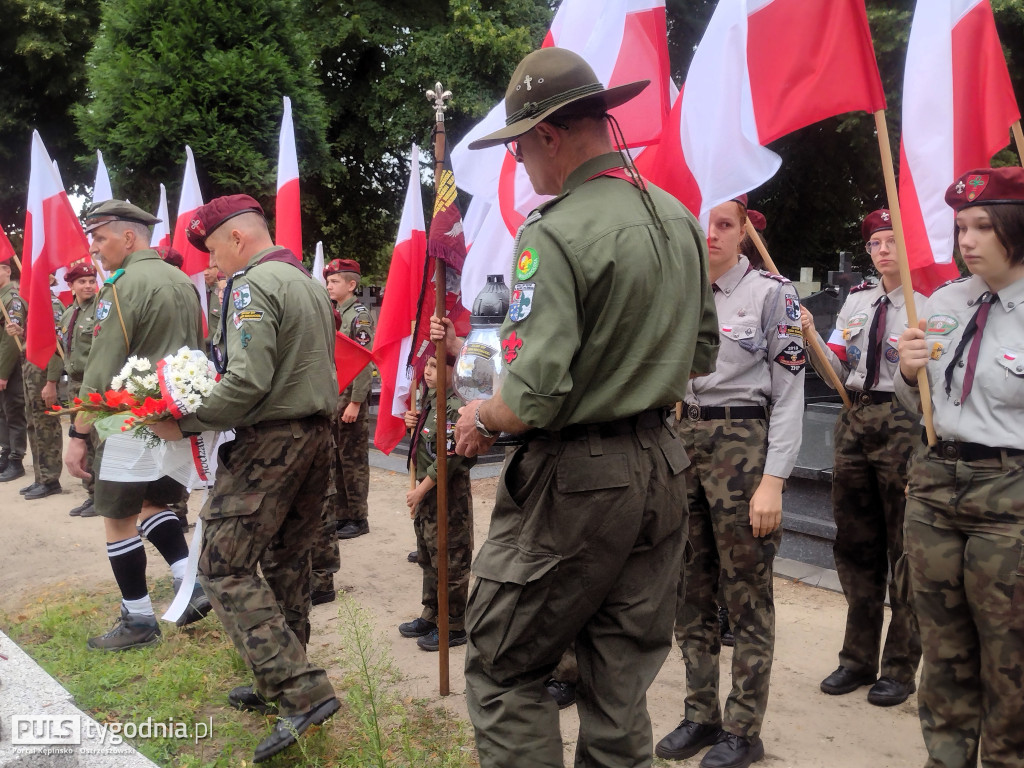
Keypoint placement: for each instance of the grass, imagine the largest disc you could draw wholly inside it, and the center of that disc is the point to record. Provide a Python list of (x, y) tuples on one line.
[(185, 679)]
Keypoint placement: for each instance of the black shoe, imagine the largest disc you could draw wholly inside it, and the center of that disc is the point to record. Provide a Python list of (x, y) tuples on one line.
[(28, 488), (131, 630), (687, 740), (888, 692), (248, 699), (77, 511), (89, 510), (321, 596), (42, 490), (414, 557), (15, 469), (198, 604), (564, 694), (732, 751), (350, 529), (4, 461), (845, 680), (418, 627), (724, 630), (289, 728), (432, 642)]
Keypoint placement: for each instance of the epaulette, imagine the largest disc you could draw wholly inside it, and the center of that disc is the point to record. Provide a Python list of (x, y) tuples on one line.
[(865, 286), (950, 282), (114, 277), (773, 276), (359, 307)]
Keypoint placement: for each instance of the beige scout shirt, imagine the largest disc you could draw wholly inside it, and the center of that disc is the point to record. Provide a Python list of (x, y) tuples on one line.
[(994, 412), (761, 358), (847, 347)]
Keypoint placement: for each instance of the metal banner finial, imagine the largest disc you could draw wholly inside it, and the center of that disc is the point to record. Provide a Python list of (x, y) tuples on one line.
[(439, 96)]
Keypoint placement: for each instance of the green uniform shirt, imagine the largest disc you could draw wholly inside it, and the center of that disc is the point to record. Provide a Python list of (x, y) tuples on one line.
[(357, 324), (10, 355), (279, 346), (77, 340), (212, 314), (426, 441), (160, 310), (56, 365), (608, 316)]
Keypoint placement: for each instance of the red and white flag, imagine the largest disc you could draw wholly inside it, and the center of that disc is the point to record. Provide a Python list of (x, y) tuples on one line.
[(393, 339), (318, 264), (288, 212), (53, 238), (194, 260), (958, 106), (6, 249), (101, 189), (623, 41), (763, 69), (162, 229)]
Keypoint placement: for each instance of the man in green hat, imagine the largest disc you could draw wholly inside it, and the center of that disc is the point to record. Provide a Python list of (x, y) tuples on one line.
[(147, 309), (588, 527)]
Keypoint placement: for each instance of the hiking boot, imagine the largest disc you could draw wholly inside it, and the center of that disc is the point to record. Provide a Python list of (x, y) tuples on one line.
[(432, 642), (131, 630), (28, 488), (42, 490), (418, 627), (350, 529), (15, 469), (198, 605), (248, 699)]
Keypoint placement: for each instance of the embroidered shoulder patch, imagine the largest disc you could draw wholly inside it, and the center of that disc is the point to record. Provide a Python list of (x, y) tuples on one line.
[(786, 331), (521, 304), (240, 296), (511, 347), (102, 309), (858, 321), (792, 307), (792, 358), (527, 264), (941, 324)]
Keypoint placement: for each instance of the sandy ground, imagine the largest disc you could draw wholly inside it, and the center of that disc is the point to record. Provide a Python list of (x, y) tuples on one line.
[(804, 728)]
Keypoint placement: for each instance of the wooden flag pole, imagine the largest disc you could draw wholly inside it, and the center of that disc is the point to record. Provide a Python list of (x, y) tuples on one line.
[(889, 171), (812, 339), (438, 97), (1018, 139)]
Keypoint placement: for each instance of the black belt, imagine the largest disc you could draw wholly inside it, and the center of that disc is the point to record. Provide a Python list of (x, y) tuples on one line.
[(711, 412), (311, 420), (619, 427), (954, 450), (872, 397)]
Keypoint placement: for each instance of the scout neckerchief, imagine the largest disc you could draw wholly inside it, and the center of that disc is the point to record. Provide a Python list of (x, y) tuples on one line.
[(972, 333), (220, 359)]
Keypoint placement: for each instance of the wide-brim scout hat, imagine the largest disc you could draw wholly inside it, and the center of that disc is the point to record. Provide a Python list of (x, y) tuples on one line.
[(987, 186), (547, 80), (117, 210), (208, 217)]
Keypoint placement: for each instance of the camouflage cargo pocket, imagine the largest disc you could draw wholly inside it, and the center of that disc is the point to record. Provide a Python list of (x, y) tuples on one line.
[(233, 505)]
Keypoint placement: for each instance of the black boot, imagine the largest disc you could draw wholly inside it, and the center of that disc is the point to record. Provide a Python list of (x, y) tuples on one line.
[(14, 470)]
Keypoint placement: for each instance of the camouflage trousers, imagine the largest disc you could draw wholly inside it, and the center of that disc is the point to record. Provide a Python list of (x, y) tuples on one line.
[(584, 544), (965, 545), (326, 554), (460, 549), (727, 460), (263, 510), (74, 387), (45, 436), (352, 481), (872, 446), (13, 418)]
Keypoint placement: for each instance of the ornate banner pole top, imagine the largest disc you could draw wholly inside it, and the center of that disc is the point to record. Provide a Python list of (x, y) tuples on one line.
[(439, 96)]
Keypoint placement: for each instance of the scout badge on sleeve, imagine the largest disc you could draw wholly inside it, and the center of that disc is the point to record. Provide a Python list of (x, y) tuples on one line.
[(102, 309), (527, 264), (792, 358), (522, 302), (240, 296)]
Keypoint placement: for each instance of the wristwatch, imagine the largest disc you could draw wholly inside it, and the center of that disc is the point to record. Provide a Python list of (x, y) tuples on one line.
[(481, 428), (72, 432)]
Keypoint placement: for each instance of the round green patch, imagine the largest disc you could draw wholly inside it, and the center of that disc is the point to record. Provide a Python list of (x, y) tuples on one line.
[(527, 264)]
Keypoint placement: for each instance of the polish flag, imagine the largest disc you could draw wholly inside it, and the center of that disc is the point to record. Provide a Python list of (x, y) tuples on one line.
[(53, 238), (763, 69), (194, 261), (288, 212), (623, 41), (162, 229), (101, 189), (393, 339), (350, 359), (6, 249), (60, 288), (318, 264), (958, 106)]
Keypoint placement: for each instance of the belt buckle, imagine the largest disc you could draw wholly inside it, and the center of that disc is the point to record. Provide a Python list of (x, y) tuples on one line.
[(949, 450), (693, 412), (865, 398)]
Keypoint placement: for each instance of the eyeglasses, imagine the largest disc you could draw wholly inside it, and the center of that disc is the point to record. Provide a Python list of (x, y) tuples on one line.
[(874, 246), (512, 145)]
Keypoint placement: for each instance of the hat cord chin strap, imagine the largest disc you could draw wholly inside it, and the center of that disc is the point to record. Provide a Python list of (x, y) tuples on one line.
[(531, 108), (623, 148)]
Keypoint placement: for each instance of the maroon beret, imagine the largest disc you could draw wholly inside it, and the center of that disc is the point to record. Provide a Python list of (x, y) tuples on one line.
[(757, 220), (170, 255), (342, 265), (987, 186), (741, 199), (875, 221), (208, 217), (79, 269)]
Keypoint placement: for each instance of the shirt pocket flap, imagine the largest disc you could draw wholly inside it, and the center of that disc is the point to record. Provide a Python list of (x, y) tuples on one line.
[(738, 330), (1012, 360), (506, 563), (592, 473), (234, 505)]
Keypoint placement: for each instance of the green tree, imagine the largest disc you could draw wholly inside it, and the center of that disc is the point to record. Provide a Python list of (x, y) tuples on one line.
[(210, 74), (43, 44)]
